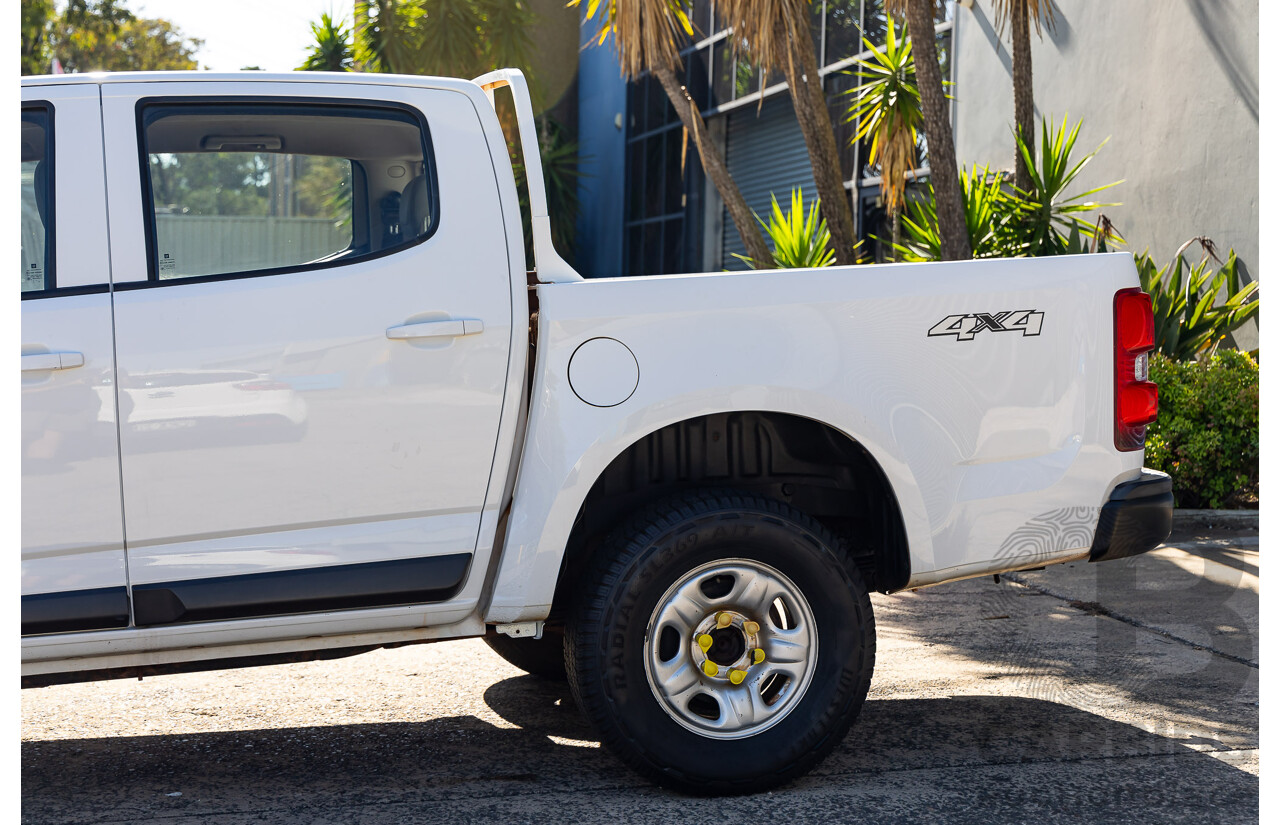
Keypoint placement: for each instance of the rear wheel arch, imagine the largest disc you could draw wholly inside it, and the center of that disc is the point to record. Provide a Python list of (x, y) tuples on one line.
[(801, 462)]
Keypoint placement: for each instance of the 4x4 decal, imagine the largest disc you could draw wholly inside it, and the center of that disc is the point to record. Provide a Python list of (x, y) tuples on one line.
[(964, 327)]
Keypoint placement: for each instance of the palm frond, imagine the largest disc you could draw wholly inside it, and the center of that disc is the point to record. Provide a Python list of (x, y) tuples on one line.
[(1038, 11), (647, 34)]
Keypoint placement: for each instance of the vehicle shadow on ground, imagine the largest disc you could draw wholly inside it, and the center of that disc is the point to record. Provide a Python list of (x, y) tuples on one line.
[(549, 758), (1141, 629)]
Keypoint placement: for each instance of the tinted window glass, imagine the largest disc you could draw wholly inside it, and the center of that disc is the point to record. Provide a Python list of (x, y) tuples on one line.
[(244, 188), (37, 200)]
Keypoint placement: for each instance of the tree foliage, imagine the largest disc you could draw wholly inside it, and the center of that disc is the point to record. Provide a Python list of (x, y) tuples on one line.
[(451, 38), (331, 49), (36, 15), (101, 35)]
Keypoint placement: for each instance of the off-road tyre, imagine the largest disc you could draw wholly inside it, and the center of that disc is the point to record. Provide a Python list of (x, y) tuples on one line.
[(636, 567)]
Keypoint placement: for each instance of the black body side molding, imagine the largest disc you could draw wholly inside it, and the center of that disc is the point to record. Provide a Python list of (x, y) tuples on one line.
[(103, 608), (283, 592)]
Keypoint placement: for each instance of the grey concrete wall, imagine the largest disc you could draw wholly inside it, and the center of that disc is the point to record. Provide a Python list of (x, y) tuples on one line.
[(1173, 83)]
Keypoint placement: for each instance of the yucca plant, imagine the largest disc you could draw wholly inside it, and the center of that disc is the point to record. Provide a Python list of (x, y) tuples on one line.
[(800, 238), (1047, 213), (989, 216), (886, 108), (1188, 322)]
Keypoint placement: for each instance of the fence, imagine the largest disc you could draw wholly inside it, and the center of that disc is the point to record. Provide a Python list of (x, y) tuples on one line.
[(202, 245)]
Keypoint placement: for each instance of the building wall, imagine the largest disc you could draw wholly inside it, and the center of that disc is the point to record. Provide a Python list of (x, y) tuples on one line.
[(1173, 84), (602, 101)]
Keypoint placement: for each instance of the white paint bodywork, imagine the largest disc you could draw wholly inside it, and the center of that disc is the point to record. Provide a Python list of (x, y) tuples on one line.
[(984, 441), (977, 437), (72, 535)]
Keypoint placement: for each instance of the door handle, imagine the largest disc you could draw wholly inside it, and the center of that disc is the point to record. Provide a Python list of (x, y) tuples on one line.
[(36, 361), (449, 328)]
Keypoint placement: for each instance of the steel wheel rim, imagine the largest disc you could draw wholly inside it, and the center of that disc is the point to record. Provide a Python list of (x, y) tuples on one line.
[(720, 601)]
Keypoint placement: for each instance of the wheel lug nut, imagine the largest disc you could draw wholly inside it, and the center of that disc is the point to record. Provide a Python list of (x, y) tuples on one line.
[(736, 676), (724, 620), (710, 668), (704, 641), (757, 655), (752, 628)]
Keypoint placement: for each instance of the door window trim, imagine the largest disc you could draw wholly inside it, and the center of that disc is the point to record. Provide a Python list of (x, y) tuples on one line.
[(213, 103)]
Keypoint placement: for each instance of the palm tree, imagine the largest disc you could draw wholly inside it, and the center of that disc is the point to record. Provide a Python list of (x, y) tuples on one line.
[(776, 34), (646, 37), (1017, 15), (937, 128), (386, 35), (886, 107), (330, 50)]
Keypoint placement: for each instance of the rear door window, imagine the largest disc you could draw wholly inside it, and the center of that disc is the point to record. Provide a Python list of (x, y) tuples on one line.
[(258, 188)]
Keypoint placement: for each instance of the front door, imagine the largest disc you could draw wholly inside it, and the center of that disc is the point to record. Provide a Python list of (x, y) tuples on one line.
[(312, 351)]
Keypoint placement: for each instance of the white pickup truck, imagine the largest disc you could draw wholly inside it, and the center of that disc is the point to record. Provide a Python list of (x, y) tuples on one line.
[(288, 392)]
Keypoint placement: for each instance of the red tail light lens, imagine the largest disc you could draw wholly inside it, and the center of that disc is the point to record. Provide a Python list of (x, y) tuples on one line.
[(1137, 399)]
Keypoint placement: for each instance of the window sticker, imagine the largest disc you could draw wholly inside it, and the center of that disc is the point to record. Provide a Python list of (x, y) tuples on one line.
[(33, 277)]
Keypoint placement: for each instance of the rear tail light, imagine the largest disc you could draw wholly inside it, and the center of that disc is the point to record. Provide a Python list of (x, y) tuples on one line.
[(1137, 399)]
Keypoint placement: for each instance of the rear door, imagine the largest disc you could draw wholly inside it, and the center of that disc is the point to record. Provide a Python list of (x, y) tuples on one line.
[(73, 560), (312, 348)]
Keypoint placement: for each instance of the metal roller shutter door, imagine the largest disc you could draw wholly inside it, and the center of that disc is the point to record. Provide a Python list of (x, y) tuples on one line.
[(765, 152)]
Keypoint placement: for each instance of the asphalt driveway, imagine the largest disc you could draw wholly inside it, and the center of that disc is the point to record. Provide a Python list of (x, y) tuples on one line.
[(1120, 692)]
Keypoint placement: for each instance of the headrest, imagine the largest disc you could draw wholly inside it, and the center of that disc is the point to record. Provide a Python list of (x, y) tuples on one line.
[(415, 209)]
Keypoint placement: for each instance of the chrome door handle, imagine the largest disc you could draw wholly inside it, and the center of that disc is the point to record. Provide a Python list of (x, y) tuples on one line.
[(36, 361), (450, 328)]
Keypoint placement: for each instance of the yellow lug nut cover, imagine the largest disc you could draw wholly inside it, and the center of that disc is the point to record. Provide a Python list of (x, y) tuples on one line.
[(710, 668), (704, 641), (736, 676), (724, 620), (752, 628), (757, 655)]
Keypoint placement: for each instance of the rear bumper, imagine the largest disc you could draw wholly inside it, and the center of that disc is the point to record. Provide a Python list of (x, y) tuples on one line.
[(1138, 517)]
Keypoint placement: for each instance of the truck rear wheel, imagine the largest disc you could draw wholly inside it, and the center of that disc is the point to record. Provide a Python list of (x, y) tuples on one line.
[(541, 657), (722, 643)]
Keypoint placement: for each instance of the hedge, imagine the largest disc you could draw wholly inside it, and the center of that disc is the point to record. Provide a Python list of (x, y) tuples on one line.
[(1206, 435)]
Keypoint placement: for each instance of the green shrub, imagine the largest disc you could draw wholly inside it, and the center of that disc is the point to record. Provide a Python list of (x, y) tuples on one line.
[(1206, 436)]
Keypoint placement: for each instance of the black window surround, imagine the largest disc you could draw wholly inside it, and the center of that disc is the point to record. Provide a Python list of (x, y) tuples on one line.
[(37, 108), (153, 108)]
